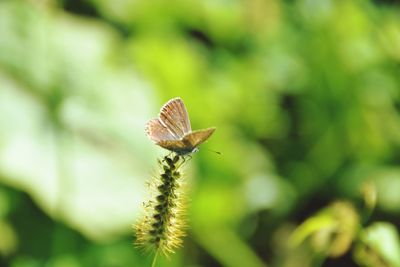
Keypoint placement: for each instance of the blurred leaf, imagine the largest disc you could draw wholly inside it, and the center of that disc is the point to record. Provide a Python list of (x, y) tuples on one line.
[(67, 139), (369, 194), (332, 230), (378, 246), (9, 240), (387, 182), (310, 226), (227, 247)]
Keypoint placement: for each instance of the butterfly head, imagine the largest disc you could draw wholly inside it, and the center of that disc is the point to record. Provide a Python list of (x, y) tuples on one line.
[(185, 151)]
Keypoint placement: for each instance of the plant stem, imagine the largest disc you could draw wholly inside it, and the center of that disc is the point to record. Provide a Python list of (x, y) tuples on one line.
[(155, 259)]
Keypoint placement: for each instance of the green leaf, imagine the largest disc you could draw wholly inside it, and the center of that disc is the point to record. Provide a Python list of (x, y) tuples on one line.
[(379, 246)]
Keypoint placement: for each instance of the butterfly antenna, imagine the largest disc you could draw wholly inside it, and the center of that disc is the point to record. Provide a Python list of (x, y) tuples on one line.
[(214, 151)]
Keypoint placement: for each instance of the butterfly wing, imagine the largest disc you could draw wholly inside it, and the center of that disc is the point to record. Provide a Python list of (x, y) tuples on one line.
[(158, 132), (174, 117), (174, 145), (196, 138), (188, 143)]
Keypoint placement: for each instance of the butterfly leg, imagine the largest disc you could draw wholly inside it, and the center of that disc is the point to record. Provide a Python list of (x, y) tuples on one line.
[(186, 158)]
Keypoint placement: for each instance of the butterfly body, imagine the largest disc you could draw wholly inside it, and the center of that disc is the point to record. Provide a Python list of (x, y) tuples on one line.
[(172, 130)]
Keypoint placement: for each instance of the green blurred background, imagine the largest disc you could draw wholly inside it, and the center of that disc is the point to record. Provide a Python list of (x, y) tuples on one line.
[(304, 94)]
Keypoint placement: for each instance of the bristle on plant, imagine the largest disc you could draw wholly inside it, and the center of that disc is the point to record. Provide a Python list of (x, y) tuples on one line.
[(161, 228)]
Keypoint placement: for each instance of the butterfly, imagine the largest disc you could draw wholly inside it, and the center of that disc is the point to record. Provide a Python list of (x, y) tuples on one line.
[(172, 131)]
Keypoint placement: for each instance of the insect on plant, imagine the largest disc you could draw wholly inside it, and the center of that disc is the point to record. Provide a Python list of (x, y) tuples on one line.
[(161, 228)]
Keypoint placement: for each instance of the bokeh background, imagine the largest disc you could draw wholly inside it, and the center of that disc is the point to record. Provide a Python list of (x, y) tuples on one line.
[(304, 94)]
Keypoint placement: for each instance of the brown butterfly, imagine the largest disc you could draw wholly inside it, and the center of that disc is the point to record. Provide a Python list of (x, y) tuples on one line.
[(172, 131)]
